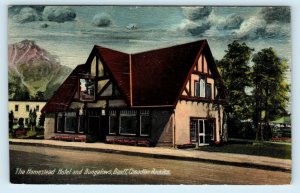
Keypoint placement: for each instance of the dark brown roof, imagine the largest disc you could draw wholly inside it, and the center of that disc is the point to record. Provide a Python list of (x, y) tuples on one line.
[(152, 78), (158, 75), (61, 99)]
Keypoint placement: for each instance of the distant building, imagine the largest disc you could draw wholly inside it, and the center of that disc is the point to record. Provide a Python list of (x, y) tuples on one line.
[(21, 109), (170, 96)]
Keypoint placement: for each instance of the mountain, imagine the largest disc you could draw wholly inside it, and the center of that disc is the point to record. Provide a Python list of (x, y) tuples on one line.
[(33, 73)]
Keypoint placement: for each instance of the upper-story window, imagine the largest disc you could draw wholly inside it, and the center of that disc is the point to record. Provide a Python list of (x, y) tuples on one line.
[(202, 87), (16, 108), (208, 90), (27, 108), (37, 108), (87, 90)]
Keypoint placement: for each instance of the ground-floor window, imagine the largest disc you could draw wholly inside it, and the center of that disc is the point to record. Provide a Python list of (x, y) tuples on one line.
[(81, 124), (128, 122), (202, 130), (113, 122), (60, 122), (116, 122), (68, 122), (71, 122)]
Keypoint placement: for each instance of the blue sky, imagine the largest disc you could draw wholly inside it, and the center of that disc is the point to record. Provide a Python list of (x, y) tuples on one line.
[(136, 28)]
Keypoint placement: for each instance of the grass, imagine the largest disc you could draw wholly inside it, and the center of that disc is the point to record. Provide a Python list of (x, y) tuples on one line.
[(274, 150)]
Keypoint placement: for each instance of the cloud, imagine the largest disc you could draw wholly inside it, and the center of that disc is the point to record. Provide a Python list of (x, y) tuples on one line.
[(252, 28), (233, 22), (229, 22), (276, 14), (194, 28), (26, 14), (101, 20), (196, 13), (58, 14)]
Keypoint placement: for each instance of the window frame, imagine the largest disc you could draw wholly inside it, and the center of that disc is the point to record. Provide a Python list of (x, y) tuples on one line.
[(202, 83), (66, 116), (60, 115), (27, 108), (195, 88), (112, 113), (16, 108), (206, 91), (132, 114)]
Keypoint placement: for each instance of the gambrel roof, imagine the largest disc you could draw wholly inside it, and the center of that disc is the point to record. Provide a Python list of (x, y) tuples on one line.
[(147, 79)]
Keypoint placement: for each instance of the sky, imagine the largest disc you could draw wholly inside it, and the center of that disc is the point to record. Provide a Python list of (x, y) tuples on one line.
[(71, 31)]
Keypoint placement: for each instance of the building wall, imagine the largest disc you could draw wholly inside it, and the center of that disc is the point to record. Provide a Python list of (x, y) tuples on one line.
[(22, 112), (187, 109), (162, 128), (49, 125)]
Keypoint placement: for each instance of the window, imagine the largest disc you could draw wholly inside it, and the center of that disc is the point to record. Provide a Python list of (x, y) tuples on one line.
[(81, 124), (128, 122), (208, 91), (201, 131), (193, 131), (145, 123), (70, 122), (87, 89), (202, 87), (16, 108), (113, 122), (37, 108), (197, 88), (60, 123), (27, 108), (26, 121)]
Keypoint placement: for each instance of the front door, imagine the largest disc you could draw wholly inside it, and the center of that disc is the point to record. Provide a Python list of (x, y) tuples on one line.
[(96, 124), (202, 131)]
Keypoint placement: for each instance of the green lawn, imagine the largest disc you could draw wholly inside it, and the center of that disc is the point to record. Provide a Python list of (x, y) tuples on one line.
[(259, 149)]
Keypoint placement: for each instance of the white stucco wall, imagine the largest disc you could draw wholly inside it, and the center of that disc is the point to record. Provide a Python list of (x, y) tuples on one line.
[(187, 109)]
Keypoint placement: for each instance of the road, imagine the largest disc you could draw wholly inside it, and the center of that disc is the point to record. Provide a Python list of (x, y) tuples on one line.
[(44, 165)]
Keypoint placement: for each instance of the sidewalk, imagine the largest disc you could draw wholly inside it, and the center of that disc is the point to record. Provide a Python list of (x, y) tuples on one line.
[(258, 162)]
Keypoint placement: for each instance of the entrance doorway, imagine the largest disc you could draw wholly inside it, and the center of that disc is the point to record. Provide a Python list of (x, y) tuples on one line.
[(202, 131), (96, 124)]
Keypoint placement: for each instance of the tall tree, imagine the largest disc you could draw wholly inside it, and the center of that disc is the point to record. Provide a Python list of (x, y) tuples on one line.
[(270, 90), (235, 71)]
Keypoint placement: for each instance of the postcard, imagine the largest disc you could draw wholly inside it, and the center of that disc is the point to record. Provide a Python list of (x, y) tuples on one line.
[(149, 94)]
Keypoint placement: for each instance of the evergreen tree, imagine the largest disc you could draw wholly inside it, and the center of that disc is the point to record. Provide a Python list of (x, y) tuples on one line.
[(270, 90), (42, 120), (11, 120)]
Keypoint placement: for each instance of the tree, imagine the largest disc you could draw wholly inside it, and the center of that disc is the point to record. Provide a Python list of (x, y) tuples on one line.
[(32, 118), (11, 120), (270, 90), (39, 95), (42, 120), (235, 71)]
